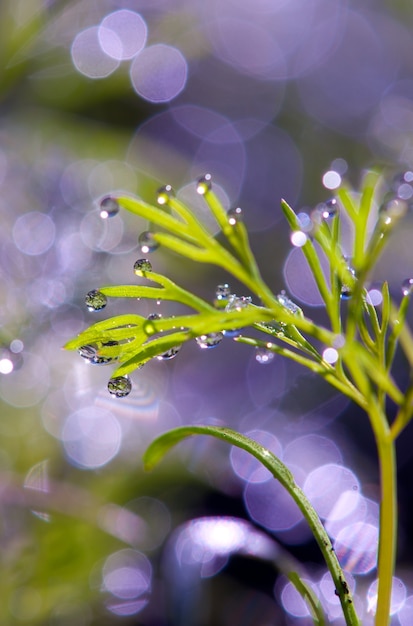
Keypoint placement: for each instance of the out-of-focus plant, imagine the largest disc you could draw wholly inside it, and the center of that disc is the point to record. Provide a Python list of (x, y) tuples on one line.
[(354, 352)]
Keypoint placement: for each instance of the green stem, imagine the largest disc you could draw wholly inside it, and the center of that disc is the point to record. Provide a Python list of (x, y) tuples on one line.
[(388, 528)]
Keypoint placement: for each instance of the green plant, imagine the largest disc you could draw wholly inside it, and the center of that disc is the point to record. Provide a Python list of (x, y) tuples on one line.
[(357, 349)]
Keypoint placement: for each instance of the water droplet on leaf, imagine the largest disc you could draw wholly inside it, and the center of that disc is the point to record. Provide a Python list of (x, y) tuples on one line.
[(164, 194), (234, 216), (119, 386), (169, 354), (392, 209), (328, 209), (222, 292), (141, 266), (263, 355), (147, 242), (95, 300), (92, 355), (154, 316), (204, 184), (148, 327), (236, 303), (108, 207), (288, 304), (407, 287), (211, 340), (346, 291)]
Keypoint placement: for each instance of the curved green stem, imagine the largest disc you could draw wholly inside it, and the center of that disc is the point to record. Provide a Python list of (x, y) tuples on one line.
[(160, 446)]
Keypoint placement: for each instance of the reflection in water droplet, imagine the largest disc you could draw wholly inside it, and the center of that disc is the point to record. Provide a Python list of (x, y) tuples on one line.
[(407, 287), (108, 207), (95, 300), (234, 216), (120, 386), (91, 353), (237, 303), (147, 242), (263, 355), (222, 292), (346, 291), (154, 316), (209, 341), (141, 266), (204, 184), (164, 194), (169, 354)]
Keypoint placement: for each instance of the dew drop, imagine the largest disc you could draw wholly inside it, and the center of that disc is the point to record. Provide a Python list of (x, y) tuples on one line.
[(95, 300), (204, 184), (287, 303), (142, 266), (147, 242), (211, 340), (328, 209), (264, 355), (222, 292), (237, 303), (154, 316), (234, 216), (108, 207), (148, 327), (164, 194), (169, 354), (232, 332), (90, 353), (119, 386), (407, 287), (392, 208)]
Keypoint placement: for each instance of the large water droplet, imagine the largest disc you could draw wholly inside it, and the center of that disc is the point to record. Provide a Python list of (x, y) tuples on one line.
[(92, 355), (236, 303), (391, 209), (142, 266), (222, 292), (169, 354), (120, 386), (109, 207), (264, 355), (211, 340), (204, 184), (95, 300), (147, 242), (234, 216), (407, 287), (164, 194)]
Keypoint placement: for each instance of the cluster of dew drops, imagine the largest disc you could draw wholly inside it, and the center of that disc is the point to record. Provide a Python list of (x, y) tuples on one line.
[(95, 300), (394, 205)]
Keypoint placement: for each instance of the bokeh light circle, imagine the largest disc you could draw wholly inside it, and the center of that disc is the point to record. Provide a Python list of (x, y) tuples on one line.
[(159, 73), (34, 233), (91, 437), (123, 34), (88, 56)]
